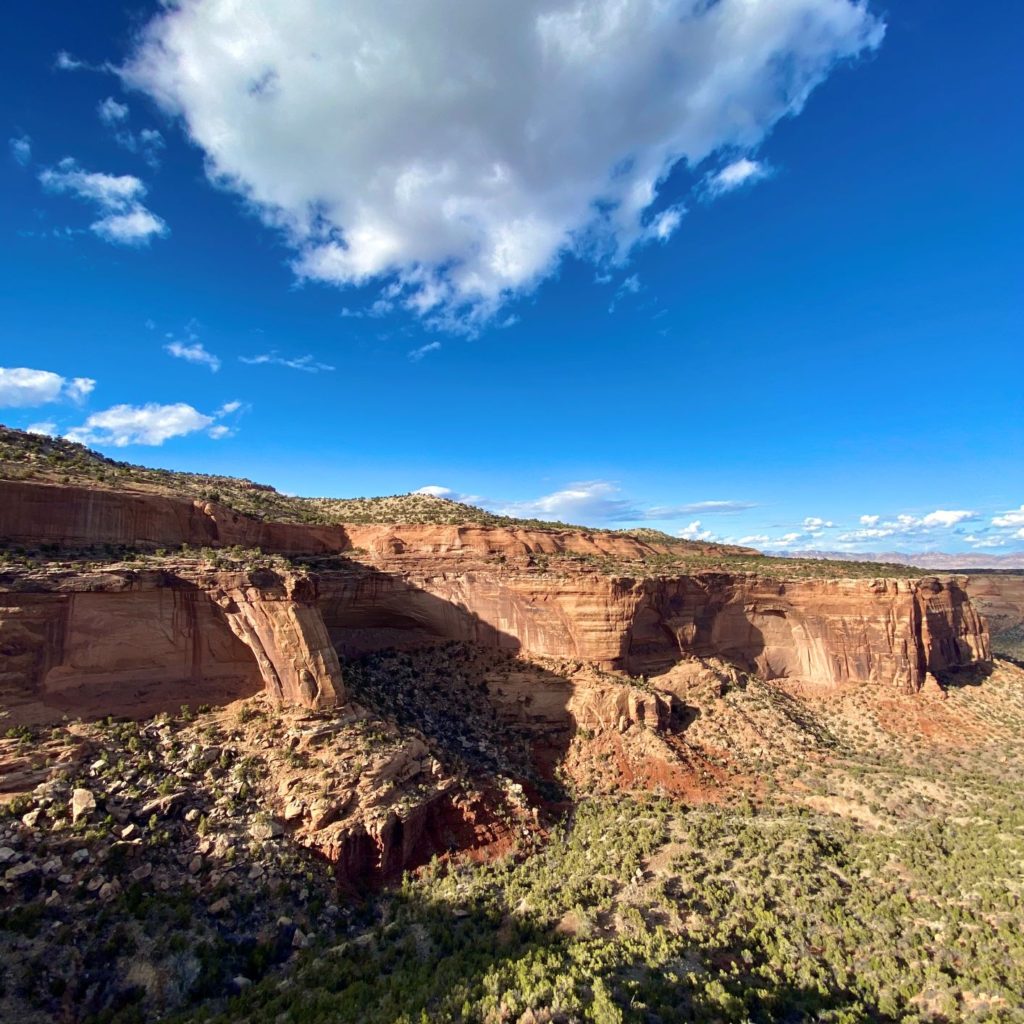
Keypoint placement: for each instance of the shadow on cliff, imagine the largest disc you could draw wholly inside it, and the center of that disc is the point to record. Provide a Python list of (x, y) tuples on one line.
[(681, 626), (434, 665), (967, 675)]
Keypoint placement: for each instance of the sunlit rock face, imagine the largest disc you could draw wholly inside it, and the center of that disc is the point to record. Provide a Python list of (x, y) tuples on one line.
[(128, 640)]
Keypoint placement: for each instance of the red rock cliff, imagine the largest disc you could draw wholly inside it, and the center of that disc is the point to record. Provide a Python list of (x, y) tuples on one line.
[(78, 632), (889, 631), (133, 642)]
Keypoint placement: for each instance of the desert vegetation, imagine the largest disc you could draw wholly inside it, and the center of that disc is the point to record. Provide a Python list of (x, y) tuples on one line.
[(861, 859)]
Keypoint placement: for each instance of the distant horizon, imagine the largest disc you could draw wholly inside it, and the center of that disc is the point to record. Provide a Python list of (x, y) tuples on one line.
[(743, 272)]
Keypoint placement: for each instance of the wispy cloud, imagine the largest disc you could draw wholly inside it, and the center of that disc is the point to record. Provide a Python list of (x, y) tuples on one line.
[(193, 352), (305, 363), (601, 501), (740, 172), (424, 350), (112, 113), (147, 142), (21, 149), (125, 220)]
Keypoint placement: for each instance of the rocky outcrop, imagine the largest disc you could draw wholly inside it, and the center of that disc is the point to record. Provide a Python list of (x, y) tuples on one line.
[(1000, 597), (278, 620), (137, 641), (823, 632), (84, 517)]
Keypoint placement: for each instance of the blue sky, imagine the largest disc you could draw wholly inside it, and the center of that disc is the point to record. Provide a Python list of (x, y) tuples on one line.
[(752, 273)]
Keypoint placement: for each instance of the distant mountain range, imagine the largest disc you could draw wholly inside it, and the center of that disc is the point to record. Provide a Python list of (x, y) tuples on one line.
[(923, 560)]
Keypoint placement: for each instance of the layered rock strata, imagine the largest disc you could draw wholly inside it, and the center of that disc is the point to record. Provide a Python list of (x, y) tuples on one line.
[(128, 641), (83, 517), (895, 632), (127, 635)]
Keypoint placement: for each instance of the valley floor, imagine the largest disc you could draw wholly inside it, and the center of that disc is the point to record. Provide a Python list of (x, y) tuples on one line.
[(843, 857)]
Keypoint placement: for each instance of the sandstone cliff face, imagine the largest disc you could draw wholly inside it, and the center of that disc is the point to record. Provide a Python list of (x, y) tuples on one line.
[(1000, 597), (75, 634), (134, 642), (76, 517), (82, 517), (893, 632)]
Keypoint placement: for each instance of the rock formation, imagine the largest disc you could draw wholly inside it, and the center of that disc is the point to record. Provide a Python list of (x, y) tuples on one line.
[(1000, 597), (825, 632), (126, 641), (119, 639)]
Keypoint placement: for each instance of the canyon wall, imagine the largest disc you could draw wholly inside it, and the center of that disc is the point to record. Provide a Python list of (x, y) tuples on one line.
[(82, 517), (185, 632), (895, 632), (1000, 597), (136, 642)]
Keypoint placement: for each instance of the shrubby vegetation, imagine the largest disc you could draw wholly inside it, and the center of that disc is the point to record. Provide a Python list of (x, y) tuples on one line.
[(694, 559), (641, 910), (866, 875)]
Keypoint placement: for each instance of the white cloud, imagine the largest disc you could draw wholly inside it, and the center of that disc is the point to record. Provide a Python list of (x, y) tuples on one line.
[(907, 526), (79, 388), (696, 532), (502, 136), (436, 491), (46, 427), (817, 523), (21, 149), (424, 350), (21, 387), (787, 540), (150, 424), (111, 112), (664, 225), (136, 227), (1014, 517), (990, 541), (945, 517), (600, 501), (739, 172), (193, 353), (125, 220), (306, 363)]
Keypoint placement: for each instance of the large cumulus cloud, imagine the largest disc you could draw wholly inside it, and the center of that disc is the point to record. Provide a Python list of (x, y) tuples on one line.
[(455, 151)]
